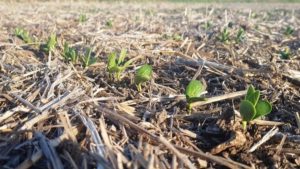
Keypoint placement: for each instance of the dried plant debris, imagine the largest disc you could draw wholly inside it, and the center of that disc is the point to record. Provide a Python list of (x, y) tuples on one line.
[(74, 92)]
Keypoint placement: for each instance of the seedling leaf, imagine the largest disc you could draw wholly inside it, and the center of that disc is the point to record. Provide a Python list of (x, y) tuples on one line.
[(82, 18), (23, 34), (240, 35), (289, 31), (88, 59), (247, 110), (193, 90), (285, 54), (263, 108), (69, 53), (250, 91), (143, 74), (111, 66), (51, 43), (253, 98), (117, 66), (252, 108), (122, 56)]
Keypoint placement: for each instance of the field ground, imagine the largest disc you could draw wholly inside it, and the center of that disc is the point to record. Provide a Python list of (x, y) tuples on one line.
[(58, 114)]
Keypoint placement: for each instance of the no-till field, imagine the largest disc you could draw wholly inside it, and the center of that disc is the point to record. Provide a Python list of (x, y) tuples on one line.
[(58, 114)]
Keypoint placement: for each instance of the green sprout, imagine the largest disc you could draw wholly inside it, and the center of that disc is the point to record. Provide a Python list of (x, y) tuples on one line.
[(70, 53), (240, 35), (289, 31), (224, 36), (176, 37), (143, 74), (207, 25), (117, 66), (252, 108), (82, 18), (23, 34), (50, 45), (109, 23), (286, 53), (87, 59), (193, 93), (254, 15)]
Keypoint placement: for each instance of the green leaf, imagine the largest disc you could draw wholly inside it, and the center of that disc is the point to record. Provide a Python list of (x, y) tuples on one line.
[(88, 59), (263, 108), (69, 53), (194, 90), (247, 110), (112, 62), (285, 54), (51, 43), (82, 18), (23, 34), (66, 51), (122, 56), (254, 97), (240, 35), (250, 91), (143, 74)]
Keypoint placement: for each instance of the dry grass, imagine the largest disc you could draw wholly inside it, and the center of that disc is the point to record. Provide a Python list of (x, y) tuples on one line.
[(55, 114)]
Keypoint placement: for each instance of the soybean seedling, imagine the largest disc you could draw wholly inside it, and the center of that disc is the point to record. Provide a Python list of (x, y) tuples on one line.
[(207, 25), (224, 36), (177, 37), (288, 31), (109, 24), (193, 93), (116, 66), (143, 74), (240, 35), (70, 54), (286, 53), (51, 43), (252, 107), (82, 18), (87, 59), (23, 34)]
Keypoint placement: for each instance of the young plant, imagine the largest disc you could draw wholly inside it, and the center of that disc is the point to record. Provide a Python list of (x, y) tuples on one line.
[(87, 59), (252, 107), (193, 92), (286, 53), (116, 66), (70, 54), (289, 31), (224, 36), (109, 23), (23, 34), (82, 18), (176, 37), (143, 74), (207, 25), (51, 44), (240, 35)]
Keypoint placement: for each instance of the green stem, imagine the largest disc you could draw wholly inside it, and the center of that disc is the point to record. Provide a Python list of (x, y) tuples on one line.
[(189, 108), (244, 124), (139, 87), (118, 76)]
